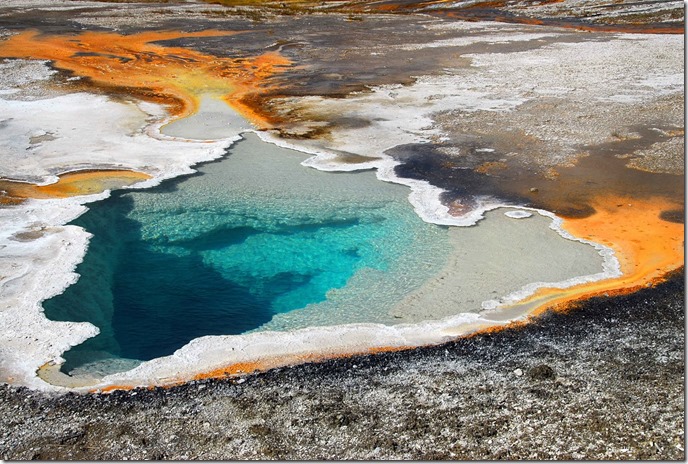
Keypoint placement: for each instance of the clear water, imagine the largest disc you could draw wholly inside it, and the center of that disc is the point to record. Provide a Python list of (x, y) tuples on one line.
[(252, 242)]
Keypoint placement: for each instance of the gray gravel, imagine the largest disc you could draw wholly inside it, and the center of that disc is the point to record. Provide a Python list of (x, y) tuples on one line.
[(604, 381)]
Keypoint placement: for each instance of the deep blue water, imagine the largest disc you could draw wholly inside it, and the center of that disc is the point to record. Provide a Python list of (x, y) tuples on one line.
[(224, 250)]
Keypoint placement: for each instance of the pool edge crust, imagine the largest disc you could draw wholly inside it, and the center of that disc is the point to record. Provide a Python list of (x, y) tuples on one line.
[(262, 364)]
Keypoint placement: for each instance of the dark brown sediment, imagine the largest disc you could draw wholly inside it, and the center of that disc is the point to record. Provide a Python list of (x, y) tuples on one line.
[(570, 190)]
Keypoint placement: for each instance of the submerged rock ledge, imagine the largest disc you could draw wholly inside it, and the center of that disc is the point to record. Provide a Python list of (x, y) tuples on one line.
[(602, 382)]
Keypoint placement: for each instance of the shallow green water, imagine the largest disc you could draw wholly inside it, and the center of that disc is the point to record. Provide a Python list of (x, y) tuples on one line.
[(252, 242)]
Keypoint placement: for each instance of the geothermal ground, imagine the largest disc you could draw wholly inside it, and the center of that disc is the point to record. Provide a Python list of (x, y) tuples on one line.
[(566, 115)]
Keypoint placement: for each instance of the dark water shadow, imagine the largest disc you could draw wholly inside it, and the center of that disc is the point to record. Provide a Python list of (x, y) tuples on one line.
[(147, 302)]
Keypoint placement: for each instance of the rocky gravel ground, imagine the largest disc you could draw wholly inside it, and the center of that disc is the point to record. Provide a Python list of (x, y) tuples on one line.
[(605, 381)]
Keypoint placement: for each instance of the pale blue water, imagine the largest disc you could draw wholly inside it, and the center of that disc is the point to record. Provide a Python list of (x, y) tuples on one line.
[(252, 242)]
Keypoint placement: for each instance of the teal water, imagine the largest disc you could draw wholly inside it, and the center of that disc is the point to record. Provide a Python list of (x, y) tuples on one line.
[(252, 242)]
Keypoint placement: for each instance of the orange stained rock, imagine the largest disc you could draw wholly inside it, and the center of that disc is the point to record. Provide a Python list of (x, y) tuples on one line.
[(232, 369), (274, 361), (388, 349), (266, 363), (69, 185), (111, 388), (137, 65), (646, 246)]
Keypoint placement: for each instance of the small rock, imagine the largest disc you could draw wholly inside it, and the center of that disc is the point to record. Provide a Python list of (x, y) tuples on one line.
[(541, 372), (534, 190), (518, 372)]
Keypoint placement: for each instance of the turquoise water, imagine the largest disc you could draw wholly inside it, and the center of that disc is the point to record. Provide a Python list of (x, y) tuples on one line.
[(252, 242)]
